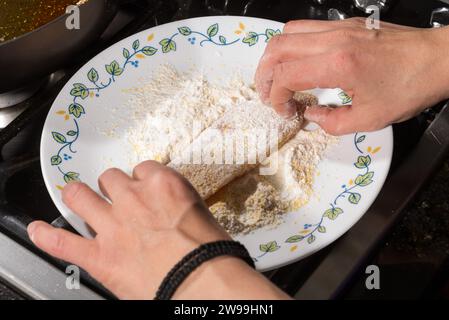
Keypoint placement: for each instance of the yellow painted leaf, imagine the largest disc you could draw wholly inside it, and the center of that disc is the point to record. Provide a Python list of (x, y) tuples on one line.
[(61, 112), (140, 56), (304, 232), (66, 117), (241, 26), (59, 187), (237, 31), (369, 149), (351, 182), (91, 94), (376, 150), (293, 248), (150, 37)]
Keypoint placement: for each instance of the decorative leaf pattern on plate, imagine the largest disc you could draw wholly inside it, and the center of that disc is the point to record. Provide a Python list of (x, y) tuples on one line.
[(76, 110), (167, 45), (79, 90), (55, 160), (71, 176), (269, 247), (345, 98), (251, 38), (185, 31), (114, 68), (92, 75), (58, 137)]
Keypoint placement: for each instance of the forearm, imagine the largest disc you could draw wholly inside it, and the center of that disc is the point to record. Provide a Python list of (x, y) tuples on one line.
[(228, 278)]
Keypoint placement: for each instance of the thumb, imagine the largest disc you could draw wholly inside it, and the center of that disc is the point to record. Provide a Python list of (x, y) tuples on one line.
[(335, 121)]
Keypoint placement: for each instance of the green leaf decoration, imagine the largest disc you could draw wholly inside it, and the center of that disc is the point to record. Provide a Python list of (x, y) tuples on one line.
[(71, 176), (126, 53), (333, 213), (114, 68), (92, 75), (363, 162), (79, 90), (167, 45), (361, 139), (251, 38), (311, 239), (365, 179), (354, 197), (149, 51), (185, 31), (136, 45), (222, 39), (322, 229), (71, 133), (76, 109), (58, 137), (270, 33), (345, 98), (269, 247), (212, 30), (55, 160), (295, 238)]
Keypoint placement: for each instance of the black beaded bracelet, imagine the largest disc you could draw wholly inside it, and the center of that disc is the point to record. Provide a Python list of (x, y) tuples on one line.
[(194, 259)]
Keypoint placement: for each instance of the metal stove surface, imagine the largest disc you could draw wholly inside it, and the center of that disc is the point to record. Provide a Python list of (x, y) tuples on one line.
[(23, 196)]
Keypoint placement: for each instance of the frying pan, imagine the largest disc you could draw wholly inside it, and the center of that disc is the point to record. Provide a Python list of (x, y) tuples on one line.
[(49, 47)]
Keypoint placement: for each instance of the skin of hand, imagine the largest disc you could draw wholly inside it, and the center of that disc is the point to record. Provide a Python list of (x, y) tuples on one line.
[(391, 73), (153, 219)]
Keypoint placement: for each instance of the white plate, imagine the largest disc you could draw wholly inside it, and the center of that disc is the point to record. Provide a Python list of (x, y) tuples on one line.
[(351, 174)]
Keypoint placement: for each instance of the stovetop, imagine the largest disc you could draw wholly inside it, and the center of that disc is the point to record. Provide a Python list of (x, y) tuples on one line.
[(420, 147)]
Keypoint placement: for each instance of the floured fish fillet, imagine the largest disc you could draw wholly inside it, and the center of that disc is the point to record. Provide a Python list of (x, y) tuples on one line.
[(234, 144)]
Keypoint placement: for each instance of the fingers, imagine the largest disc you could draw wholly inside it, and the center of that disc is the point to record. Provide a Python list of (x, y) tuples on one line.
[(87, 204), (144, 169), (341, 120), (62, 244), (299, 76), (113, 182), (288, 47), (310, 26)]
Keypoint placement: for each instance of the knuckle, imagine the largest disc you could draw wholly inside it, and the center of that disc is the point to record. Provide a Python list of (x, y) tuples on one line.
[(108, 172), (292, 25), (164, 178), (345, 59), (59, 244)]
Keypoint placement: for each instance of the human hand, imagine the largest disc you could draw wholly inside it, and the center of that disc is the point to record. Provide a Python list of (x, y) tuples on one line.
[(392, 74), (154, 219)]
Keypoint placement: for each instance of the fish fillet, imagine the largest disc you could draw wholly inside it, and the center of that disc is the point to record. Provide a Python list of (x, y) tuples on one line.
[(225, 163)]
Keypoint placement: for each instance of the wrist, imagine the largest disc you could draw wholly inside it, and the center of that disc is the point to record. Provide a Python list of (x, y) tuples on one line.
[(227, 277), (439, 51)]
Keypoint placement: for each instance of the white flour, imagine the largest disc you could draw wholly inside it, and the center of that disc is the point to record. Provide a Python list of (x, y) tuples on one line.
[(163, 111), (166, 108)]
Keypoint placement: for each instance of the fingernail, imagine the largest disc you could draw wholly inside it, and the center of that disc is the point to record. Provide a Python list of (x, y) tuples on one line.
[(289, 109), (31, 230)]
